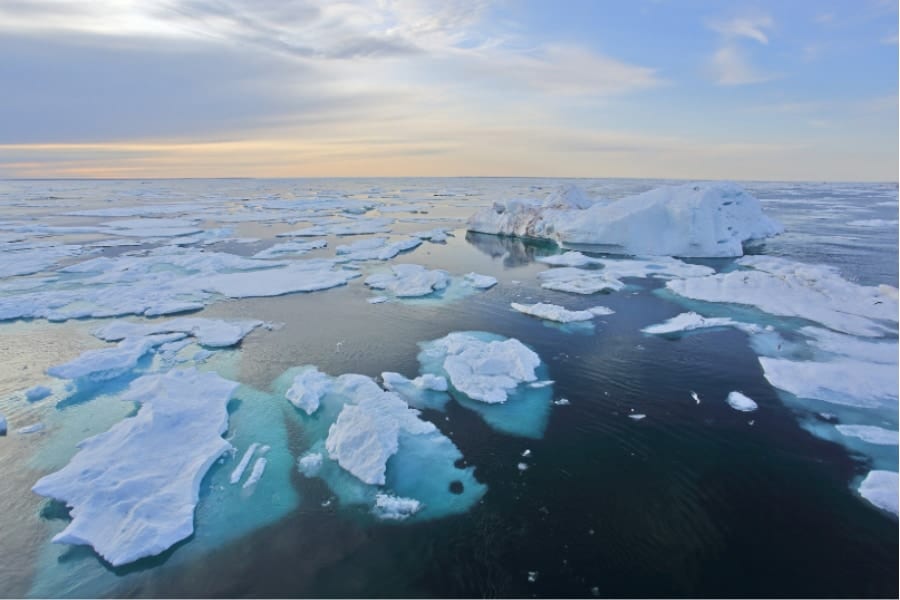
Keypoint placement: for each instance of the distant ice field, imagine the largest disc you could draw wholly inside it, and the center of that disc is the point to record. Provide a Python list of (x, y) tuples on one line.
[(333, 387)]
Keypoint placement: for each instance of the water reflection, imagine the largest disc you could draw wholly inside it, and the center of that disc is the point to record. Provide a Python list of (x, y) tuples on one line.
[(514, 251)]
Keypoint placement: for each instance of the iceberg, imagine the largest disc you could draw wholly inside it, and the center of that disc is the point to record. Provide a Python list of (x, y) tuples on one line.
[(880, 488), (691, 220), (126, 506), (790, 289), (690, 321), (307, 388)]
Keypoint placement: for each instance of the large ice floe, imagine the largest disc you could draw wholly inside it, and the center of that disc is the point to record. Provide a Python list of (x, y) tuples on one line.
[(132, 490), (692, 220), (409, 280), (494, 376), (371, 449), (559, 314)]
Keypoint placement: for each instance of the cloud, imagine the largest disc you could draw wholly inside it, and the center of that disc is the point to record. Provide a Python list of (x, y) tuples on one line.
[(731, 67), (750, 27)]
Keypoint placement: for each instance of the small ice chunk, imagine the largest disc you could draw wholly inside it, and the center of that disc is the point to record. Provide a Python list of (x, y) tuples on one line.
[(526, 453), (880, 488), (307, 389), (33, 428), (242, 466), (552, 312), (256, 474), (568, 259), (739, 401), (695, 396), (532, 576), (377, 299), (522, 466), (309, 464), (637, 416), (481, 282), (290, 249), (562, 402), (602, 311), (870, 433), (541, 384), (38, 392), (395, 508), (409, 280)]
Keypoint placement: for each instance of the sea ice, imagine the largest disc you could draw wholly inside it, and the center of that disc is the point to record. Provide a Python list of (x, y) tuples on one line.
[(481, 282), (309, 464), (299, 276), (38, 392), (870, 433), (126, 506), (360, 227), (33, 428), (409, 280), (782, 287), (307, 388), (880, 488), (256, 474), (739, 401), (700, 220), (377, 299), (290, 249), (552, 312), (109, 363), (659, 267), (842, 381), (213, 333), (578, 281), (238, 471), (394, 508)]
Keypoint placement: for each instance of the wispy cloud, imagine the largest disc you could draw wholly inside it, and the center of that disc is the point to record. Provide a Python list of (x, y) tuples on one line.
[(730, 63), (751, 27)]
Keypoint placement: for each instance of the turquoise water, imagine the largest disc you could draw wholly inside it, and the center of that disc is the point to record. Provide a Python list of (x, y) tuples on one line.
[(692, 500)]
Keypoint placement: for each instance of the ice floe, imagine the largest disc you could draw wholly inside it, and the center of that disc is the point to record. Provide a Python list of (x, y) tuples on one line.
[(109, 363), (785, 288), (38, 392), (552, 312), (126, 506), (394, 508), (870, 434), (739, 401), (214, 333), (290, 249), (360, 227), (659, 267), (409, 280), (579, 281), (700, 220), (306, 276), (481, 282), (307, 388), (375, 249), (238, 471), (841, 381), (690, 321)]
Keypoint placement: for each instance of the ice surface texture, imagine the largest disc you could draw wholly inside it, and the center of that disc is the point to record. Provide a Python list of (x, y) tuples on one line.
[(699, 220), (133, 489)]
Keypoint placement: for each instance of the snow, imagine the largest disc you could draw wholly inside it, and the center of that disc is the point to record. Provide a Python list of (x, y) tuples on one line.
[(785, 288), (880, 488), (552, 312), (870, 434), (690, 321), (126, 506), (238, 471), (394, 508), (739, 401), (578, 281), (842, 381), (109, 363), (481, 282), (309, 276), (38, 392), (309, 464), (307, 389), (256, 474), (409, 280), (696, 220), (213, 333)]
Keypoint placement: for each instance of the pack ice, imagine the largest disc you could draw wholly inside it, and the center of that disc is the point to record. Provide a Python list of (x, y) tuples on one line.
[(692, 220), (133, 489)]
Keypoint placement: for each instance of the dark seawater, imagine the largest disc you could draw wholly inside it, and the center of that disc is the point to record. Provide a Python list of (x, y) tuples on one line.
[(695, 500)]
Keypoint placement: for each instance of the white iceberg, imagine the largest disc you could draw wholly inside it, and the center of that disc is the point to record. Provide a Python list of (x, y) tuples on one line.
[(880, 488), (126, 506), (739, 401), (394, 508), (699, 220), (307, 389), (791, 289), (552, 312), (409, 280), (690, 321)]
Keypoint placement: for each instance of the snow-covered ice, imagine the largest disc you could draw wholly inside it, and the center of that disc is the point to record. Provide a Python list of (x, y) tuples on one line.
[(739, 401), (842, 381), (699, 220), (394, 508), (307, 388), (409, 280), (690, 321), (126, 506), (290, 249), (870, 434), (880, 488), (553, 312), (299, 276)]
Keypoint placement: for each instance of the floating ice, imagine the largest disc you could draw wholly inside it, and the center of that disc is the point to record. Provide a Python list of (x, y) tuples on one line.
[(109, 363), (842, 381), (377, 299), (238, 471), (409, 280), (562, 402), (126, 506), (522, 466), (394, 508), (870, 434), (578, 281), (259, 467), (300, 276), (552, 312), (659, 267), (38, 392), (34, 260), (360, 227), (481, 282), (376, 249), (739, 401), (880, 488), (309, 464), (491, 374), (690, 320), (33, 428), (703, 220), (213, 333), (637, 416), (307, 388), (786, 288), (290, 249), (880, 351), (437, 235), (425, 391)]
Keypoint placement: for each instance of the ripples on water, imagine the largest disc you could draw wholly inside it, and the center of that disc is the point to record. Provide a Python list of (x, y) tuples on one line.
[(693, 500)]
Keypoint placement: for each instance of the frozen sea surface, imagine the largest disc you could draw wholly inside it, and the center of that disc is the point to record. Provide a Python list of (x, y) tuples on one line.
[(614, 456)]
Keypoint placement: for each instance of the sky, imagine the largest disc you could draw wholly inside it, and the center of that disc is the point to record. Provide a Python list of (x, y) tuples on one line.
[(770, 90)]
